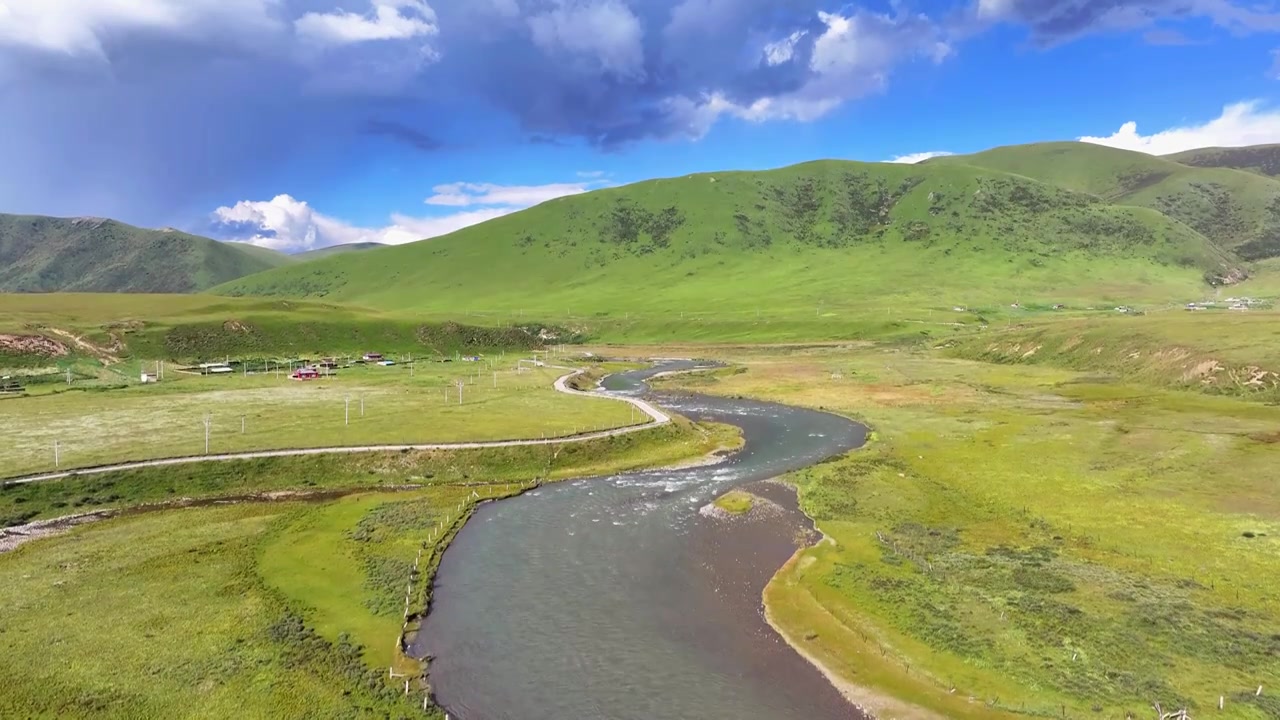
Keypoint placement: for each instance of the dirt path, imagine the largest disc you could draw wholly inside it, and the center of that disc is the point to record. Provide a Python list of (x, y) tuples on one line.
[(657, 416)]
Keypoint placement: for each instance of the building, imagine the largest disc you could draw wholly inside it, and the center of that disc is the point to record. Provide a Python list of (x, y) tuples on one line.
[(305, 373), (372, 357), (148, 377), (214, 368)]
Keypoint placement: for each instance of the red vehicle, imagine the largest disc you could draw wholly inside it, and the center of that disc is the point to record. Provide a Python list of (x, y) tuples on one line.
[(307, 373)]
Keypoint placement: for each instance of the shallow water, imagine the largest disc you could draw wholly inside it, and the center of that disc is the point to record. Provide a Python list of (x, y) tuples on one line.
[(614, 598)]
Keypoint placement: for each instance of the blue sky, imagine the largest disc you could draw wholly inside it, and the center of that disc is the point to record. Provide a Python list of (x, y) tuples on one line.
[(302, 123)]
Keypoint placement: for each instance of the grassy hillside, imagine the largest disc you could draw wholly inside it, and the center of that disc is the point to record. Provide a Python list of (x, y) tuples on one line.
[(1260, 159), (1020, 540), (40, 332), (45, 254), (814, 238), (275, 257), (336, 250), (1239, 210)]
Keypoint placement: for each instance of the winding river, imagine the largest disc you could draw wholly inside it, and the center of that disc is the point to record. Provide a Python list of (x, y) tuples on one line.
[(623, 598)]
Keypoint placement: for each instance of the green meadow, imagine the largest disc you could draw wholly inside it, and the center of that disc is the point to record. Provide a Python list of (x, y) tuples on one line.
[(1033, 538), (362, 405), (256, 608)]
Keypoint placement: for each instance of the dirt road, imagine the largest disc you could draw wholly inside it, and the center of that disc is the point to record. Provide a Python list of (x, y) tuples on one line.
[(657, 416)]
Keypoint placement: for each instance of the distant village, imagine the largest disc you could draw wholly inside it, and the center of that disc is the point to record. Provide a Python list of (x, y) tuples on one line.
[(300, 369)]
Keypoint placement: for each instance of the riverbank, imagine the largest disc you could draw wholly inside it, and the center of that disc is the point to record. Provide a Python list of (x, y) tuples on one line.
[(306, 595), (1029, 539), (623, 584)]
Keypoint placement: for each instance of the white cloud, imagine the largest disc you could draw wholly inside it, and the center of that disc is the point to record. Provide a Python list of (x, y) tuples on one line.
[(387, 20), (606, 31), (777, 53), (1244, 123), (466, 194), (914, 158), (290, 225), (78, 27), (852, 57)]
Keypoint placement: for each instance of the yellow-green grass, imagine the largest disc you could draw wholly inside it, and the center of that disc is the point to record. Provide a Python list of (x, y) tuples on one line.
[(676, 442), (164, 615), (167, 419), (1216, 352), (1032, 539), (736, 502), (261, 610), (356, 586)]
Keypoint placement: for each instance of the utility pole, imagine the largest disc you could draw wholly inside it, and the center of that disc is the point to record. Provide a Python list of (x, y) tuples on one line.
[(460, 386), (346, 412), (207, 421), (55, 453), (241, 424), (68, 376), (361, 406), (495, 379)]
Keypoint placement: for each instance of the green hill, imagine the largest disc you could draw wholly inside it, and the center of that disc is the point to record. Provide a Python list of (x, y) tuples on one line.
[(817, 237), (336, 250), (1237, 209), (45, 254), (275, 257), (1260, 159)]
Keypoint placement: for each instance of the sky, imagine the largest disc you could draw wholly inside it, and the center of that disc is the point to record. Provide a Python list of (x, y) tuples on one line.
[(298, 124)]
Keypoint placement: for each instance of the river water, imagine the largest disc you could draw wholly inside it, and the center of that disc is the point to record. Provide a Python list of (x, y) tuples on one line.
[(615, 598)]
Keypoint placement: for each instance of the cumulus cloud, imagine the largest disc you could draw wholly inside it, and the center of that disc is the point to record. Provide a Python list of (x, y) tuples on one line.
[(605, 33), (290, 225), (81, 27), (1243, 123), (467, 194), (914, 158), (776, 53), (1055, 21), (144, 109), (848, 57), (386, 20)]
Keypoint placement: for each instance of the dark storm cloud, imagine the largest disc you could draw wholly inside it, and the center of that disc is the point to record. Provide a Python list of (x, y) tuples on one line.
[(154, 112), (403, 133), (612, 72), (1056, 21)]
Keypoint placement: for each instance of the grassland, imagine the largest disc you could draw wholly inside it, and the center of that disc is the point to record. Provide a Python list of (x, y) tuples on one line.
[(259, 412), (113, 329), (44, 254), (736, 502), (257, 609), (854, 238), (1030, 539), (1261, 159), (1234, 208)]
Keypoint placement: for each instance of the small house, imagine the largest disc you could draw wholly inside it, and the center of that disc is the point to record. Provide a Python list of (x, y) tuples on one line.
[(148, 377), (372, 357)]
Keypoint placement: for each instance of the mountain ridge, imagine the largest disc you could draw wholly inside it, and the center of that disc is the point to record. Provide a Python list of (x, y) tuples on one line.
[(823, 231), (91, 254)]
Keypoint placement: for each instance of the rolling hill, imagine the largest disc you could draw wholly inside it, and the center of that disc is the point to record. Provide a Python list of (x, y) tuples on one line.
[(1260, 159), (1239, 210), (821, 235), (336, 250), (45, 254)]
